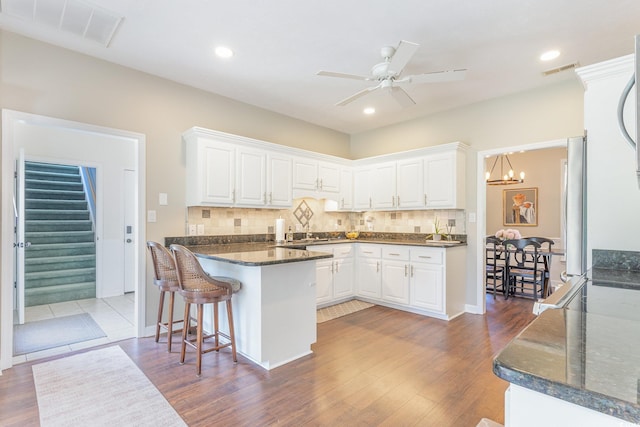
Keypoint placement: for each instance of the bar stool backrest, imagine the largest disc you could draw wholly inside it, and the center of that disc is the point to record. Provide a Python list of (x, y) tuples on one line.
[(193, 279), (164, 266)]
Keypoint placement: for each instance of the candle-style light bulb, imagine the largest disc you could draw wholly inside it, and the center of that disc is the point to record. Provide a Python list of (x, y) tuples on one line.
[(487, 176), (510, 173), (506, 177), (522, 175)]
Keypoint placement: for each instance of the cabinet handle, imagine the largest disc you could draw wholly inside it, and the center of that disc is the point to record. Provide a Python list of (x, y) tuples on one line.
[(317, 184), (393, 201), (343, 203), (332, 267), (412, 271), (377, 266), (321, 183), (367, 252), (233, 196), (405, 270), (424, 256), (265, 198), (270, 197), (398, 197), (337, 267), (425, 199), (394, 254), (370, 203)]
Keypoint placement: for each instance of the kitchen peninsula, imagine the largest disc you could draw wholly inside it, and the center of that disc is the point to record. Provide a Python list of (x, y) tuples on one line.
[(275, 312)]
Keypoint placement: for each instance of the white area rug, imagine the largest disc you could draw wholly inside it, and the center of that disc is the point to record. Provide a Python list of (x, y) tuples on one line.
[(99, 388), (339, 310)]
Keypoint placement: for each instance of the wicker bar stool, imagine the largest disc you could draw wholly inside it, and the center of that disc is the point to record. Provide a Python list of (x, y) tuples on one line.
[(197, 287), (166, 279)]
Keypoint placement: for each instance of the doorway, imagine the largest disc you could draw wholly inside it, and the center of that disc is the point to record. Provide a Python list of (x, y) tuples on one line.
[(481, 205), (112, 151)]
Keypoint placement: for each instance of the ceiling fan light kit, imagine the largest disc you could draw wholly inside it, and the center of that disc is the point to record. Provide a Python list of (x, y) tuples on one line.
[(388, 74)]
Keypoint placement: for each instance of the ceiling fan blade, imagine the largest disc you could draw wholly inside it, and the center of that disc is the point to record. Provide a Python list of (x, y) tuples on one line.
[(402, 97), (404, 53), (436, 77), (342, 75), (357, 95)]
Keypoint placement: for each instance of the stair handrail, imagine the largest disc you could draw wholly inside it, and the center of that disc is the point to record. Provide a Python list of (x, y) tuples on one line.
[(89, 183)]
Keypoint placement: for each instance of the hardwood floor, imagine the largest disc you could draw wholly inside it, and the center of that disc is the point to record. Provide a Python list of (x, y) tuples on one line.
[(375, 367)]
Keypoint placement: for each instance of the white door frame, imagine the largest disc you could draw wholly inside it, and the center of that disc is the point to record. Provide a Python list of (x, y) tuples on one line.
[(9, 119), (481, 208)]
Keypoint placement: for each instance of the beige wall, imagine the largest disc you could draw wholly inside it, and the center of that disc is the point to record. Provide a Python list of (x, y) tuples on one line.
[(543, 171), (41, 79)]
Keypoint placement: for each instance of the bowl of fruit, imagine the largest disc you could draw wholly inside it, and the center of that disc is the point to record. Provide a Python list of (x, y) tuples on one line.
[(351, 235)]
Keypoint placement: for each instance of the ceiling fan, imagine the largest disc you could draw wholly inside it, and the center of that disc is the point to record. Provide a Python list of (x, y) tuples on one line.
[(388, 74)]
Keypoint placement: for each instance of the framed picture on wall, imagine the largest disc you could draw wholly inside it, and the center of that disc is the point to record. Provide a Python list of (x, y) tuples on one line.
[(520, 206)]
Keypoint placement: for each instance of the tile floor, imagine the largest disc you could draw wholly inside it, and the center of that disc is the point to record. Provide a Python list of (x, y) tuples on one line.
[(114, 315)]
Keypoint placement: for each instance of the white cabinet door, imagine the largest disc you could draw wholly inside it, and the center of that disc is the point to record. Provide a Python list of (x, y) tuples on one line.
[(251, 172), (324, 281), (440, 181), (395, 281), (279, 180), (426, 288), (345, 201), (369, 277), (410, 183), (343, 275), (384, 186), (362, 188), (210, 172), (305, 174), (328, 177)]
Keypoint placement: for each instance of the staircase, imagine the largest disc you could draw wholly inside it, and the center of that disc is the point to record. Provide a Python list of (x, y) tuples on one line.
[(60, 264)]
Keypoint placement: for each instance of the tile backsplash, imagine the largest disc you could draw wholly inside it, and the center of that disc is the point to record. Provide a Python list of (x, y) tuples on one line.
[(218, 221)]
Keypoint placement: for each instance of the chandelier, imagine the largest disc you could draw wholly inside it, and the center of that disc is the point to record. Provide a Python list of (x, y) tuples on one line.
[(504, 178)]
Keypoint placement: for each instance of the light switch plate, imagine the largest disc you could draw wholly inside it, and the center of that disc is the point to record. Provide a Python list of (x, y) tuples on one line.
[(192, 230), (163, 199), (151, 216), (472, 217), (200, 229)]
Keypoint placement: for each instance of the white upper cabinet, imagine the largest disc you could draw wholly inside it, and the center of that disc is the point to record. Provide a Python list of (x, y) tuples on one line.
[(410, 183), (279, 180), (384, 186), (210, 172), (222, 173), (444, 180), (362, 188), (251, 171), (345, 201), (315, 176)]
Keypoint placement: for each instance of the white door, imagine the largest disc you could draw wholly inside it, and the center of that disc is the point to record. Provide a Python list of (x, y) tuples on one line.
[(362, 188), (129, 202), (324, 281), (384, 186), (440, 181), (369, 277), (18, 199), (427, 286), (279, 180), (410, 185), (328, 177), (395, 281), (250, 178)]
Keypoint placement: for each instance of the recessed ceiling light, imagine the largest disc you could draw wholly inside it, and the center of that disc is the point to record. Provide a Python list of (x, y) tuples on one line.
[(369, 110), (549, 55), (224, 52)]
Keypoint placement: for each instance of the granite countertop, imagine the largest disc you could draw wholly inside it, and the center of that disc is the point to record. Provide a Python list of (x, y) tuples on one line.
[(256, 254), (588, 352), (423, 243)]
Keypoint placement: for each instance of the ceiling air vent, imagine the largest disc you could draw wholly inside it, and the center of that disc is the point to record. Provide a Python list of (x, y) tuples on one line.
[(561, 69), (77, 17)]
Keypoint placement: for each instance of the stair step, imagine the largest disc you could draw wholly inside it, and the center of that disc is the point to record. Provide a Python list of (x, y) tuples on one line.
[(48, 184), (32, 226), (59, 293), (59, 249), (40, 279), (55, 214), (70, 262), (47, 204), (52, 176), (38, 193), (59, 237), (50, 167)]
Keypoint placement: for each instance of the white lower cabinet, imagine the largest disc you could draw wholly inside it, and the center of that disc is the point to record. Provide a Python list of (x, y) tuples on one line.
[(426, 287), (369, 271), (334, 276), (395, 274)]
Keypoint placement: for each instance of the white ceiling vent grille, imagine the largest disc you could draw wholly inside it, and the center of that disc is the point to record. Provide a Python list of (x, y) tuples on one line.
[(77, 17)]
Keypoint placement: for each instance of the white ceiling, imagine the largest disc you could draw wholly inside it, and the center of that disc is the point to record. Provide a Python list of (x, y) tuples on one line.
[(280, 45)]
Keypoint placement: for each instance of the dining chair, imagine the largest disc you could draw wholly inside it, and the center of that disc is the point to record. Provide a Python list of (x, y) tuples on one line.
[(546, 259), (494, 266), (524, 268)]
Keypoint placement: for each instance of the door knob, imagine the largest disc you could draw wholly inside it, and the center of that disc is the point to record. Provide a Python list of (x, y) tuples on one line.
[(129, 240)]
